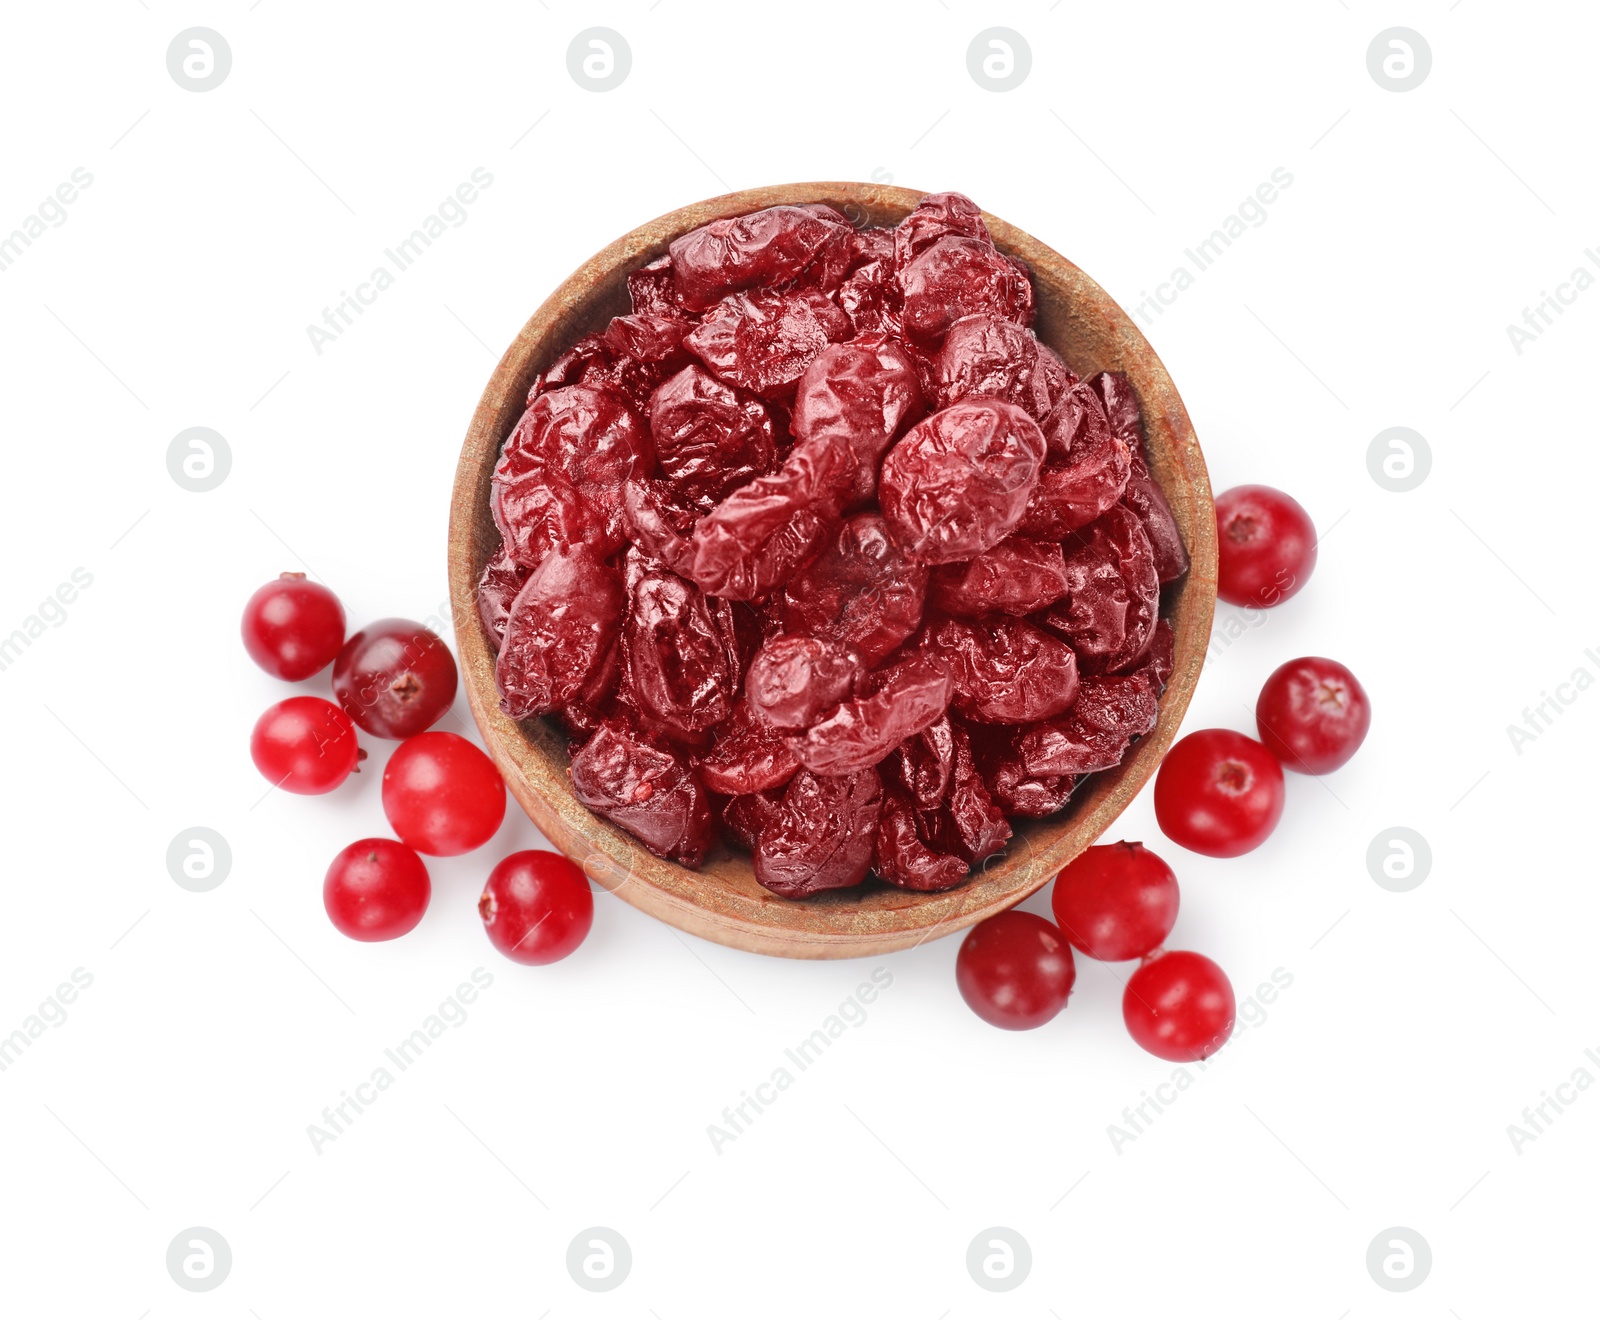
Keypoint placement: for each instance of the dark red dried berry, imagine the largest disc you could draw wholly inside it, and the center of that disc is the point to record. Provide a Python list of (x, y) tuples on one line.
[(750, 813), (898, 702), (502, 579), (1142, 494), (822, 835), (795, 679), (768, 247), (862, 395), (988, 357), (903, 859), (1005, 671), (561, 626), (681, 653), (1094, 735), (969, 823), (1018, 576), (936, 216), (747, 757), (709, 440), (958, 482), (762, 341), (658, 525), (652, 290), (860, 591), (921, 766), (647, 790), (1109, 615), (956, 277)]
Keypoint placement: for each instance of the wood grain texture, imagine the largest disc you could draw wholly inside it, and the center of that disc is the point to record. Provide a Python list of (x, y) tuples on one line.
[(722, 901)]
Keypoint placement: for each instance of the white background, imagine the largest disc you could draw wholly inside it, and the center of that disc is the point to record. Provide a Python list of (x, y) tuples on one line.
[(1379, 1087)]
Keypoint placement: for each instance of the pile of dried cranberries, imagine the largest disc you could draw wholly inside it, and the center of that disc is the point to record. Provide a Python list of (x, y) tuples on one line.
[(821, 543)]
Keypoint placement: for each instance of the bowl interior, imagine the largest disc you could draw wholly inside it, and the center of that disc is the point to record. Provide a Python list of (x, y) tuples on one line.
[(722, 900)]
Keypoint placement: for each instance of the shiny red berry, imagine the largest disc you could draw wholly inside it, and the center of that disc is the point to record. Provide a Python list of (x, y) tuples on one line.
[(292, 627), (1015, 970), (1266, 546), (1313, 714), (376, 889), (1219, 792), (1116, 902), (442, 795), (304, 745), (1179, 1006), (395, 678), (536, 907)]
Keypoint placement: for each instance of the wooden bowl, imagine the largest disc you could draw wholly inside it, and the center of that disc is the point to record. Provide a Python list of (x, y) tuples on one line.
[(722, 900)]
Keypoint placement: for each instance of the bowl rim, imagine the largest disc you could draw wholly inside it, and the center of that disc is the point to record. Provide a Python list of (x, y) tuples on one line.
[(713, 902)]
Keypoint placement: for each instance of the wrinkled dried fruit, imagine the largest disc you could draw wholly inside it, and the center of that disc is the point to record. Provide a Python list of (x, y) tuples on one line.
[(709, 440), (899, 701), (936, 216), (658, 526), (969, 823), (764, 533), (502, 579), (647, 790), (795, 679), (1005, 671), (921, 766), (956, 277), (958, 482), (860, 591), (903, 859), (1094, 735), (1142, 495), (822, 835), (862, 395), (747, 757), (562, 623), (762, 341), (768, 247), (988, 357), (1109, 615), (1018, 576), (681, 652)]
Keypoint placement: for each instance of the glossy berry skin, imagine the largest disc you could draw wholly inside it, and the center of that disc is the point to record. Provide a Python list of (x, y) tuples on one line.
[(442, 795), (376, 889), (1015, 970), (1219, 792), (1179, 1006), (395, 678), (1313, 714), (536, 907), (292, 627), (304, 745), (1266, 546), (1116, 902)]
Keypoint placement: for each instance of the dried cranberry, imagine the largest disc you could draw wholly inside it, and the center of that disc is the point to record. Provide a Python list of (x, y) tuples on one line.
[(861, 395), (647, 790), (870, 297), (1142, 495), (1109, 615), (899, 700), (922, 765), (1017, 576), (765, 532), (568, 369), (561, 625), (761, 341), (903, 859), (1006, 671), (652, 290), (987, 357), (540, 511), (747, 757), (958, 482), (749, 813), (794, 680), (659, 526), (860, 591), (588, 436), (647, 337), (956, 277), (936, 216), (1094, 735), (767, 247), (822, 835), (681, 652), (968, 823), (502, 579), (709, 439)]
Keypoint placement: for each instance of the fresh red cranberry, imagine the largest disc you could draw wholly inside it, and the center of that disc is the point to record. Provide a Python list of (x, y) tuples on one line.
[(1179, 1006), (1219, 792), (376, 889), (1266, 546), (1313, 714), (305, 745), (442, 795), (536, 907), (1015, 970), (395, 678), (292, 627), (1116, 902)]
